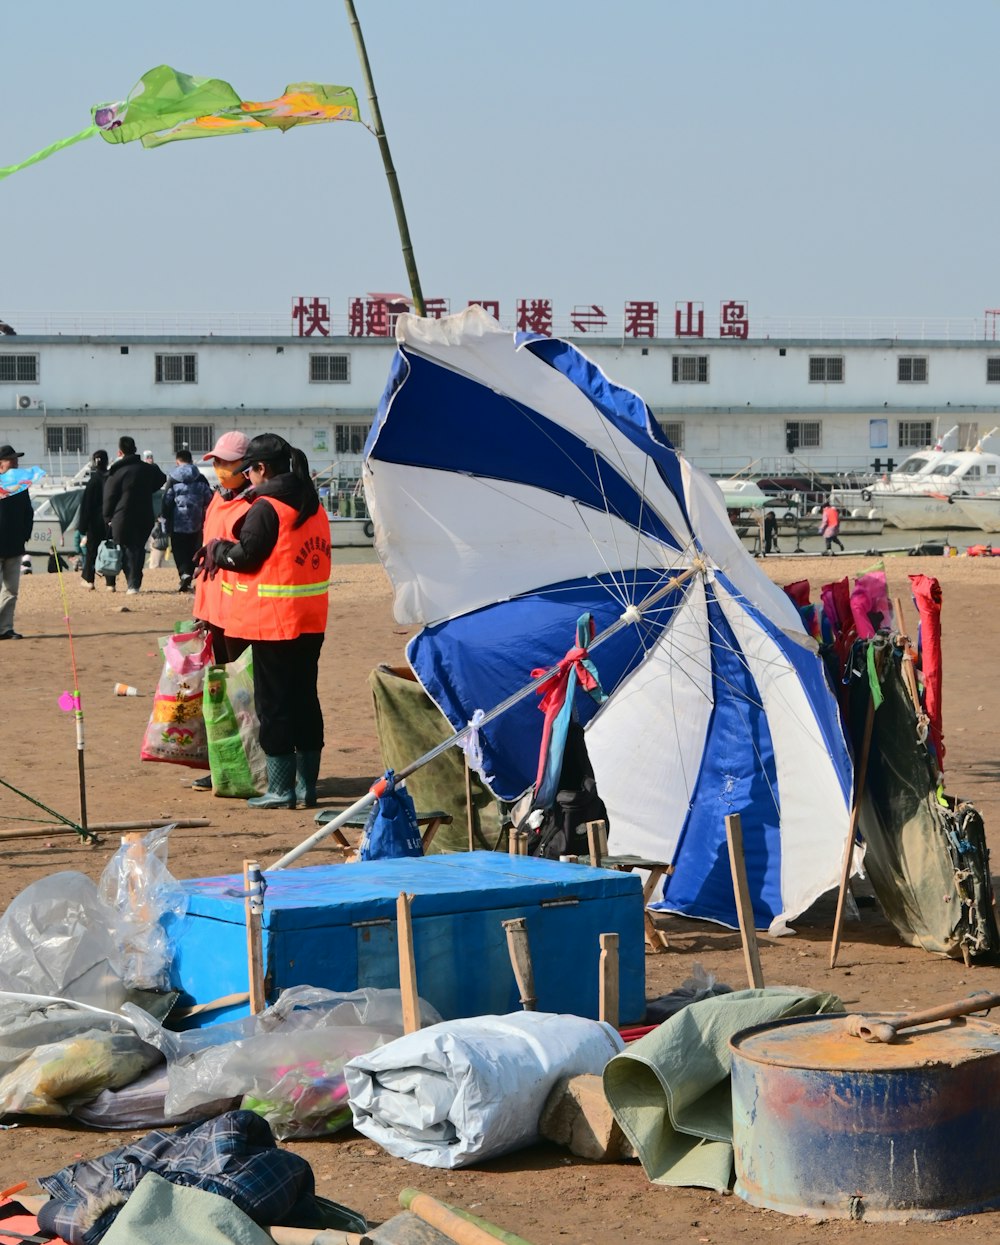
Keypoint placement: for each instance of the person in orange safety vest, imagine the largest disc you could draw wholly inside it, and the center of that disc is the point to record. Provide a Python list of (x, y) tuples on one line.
[(279, 566)]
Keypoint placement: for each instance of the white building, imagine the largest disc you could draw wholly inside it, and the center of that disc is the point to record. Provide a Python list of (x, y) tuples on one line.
[(828, 404)]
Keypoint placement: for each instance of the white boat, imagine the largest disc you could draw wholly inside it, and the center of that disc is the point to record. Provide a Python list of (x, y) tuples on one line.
[(982, 510), (351, 533), (868, 495), (928, 497)]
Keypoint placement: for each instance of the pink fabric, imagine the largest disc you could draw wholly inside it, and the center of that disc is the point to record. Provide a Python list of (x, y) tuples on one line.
[(927, 595), (870, 604)]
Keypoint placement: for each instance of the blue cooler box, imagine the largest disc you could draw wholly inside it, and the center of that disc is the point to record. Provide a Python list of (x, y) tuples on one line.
[(334, 926)]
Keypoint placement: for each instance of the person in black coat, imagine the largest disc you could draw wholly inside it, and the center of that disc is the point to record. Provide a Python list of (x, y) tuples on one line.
[(90, 521), (16, 518), (128, 507)]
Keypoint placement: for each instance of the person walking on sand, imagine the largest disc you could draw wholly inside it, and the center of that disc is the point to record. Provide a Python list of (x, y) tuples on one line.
[(212, 593), (90, 520), (185, 501), (770, 532), (16, 518), (128, 507), (281, 560), (831, 527)]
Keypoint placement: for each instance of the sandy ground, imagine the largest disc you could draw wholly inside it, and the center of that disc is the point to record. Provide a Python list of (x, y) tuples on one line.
[(542, 1193)]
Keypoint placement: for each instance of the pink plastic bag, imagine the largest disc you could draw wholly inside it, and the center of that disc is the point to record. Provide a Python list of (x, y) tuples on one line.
[(176, 730)]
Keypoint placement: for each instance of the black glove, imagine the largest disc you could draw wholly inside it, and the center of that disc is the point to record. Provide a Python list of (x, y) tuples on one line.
[(204, 560)]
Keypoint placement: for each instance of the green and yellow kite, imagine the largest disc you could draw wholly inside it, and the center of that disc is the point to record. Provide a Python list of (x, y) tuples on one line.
[(165, 106)]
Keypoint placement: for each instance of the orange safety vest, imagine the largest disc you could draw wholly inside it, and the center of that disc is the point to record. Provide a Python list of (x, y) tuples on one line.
[(286, 596), (212, 596), (831, 517)]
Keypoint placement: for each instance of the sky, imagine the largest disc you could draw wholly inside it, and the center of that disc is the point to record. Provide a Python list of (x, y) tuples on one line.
[(811, 158)]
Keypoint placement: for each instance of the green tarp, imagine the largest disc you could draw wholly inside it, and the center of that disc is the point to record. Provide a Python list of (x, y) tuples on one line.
[(410, 724)]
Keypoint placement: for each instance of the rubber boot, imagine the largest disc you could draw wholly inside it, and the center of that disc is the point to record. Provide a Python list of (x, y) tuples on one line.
[(280, 791), (306, 773)]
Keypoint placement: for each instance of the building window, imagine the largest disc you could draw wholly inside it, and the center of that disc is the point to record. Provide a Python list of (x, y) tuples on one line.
[(176, 369), (66, 438), (993, 371), (350, 438), (912, 369), (19, 369), (673, 430), (198, 438), (915, 434), (826, 369), (803, 434), (690, 369), (329, 369)]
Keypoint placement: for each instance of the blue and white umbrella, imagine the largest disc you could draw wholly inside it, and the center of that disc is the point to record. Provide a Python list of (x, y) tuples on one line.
[(513, 488)]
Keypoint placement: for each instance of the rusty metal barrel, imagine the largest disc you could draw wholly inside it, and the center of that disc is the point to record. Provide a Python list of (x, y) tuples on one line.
[(830, 1126)]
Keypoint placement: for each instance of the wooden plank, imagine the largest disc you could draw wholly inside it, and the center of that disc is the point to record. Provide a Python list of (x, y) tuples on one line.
[(253, 906), (744, 908), (608, 997), (407, 964)]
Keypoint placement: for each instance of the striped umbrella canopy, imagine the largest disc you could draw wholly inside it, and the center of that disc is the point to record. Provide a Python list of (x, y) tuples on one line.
[(514, 487)]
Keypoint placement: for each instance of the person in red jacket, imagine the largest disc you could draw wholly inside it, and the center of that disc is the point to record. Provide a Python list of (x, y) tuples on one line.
[(831, 527), (280, 560)]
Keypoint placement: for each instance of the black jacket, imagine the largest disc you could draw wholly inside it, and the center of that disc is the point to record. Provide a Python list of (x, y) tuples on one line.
[(128, 499), (90, 520), (16, 518)]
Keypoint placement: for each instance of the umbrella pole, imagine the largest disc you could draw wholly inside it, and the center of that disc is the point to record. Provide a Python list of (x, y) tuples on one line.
[(631, 615)]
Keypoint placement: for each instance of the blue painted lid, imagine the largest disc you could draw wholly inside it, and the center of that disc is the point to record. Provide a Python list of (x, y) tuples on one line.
[(344, 894)]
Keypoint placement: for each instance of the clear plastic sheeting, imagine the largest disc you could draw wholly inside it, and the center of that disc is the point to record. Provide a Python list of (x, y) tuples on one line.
[(139, 891), (56, 939), (469, 1090), (287, 1063), (55, 1054), (53, 1078)]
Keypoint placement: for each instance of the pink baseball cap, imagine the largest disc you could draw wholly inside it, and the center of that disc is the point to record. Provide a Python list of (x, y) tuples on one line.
[(231, 447)]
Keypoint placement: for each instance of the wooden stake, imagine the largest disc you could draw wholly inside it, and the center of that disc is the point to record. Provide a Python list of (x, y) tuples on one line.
[(852, 830), (407, 964), (744, 908), (519, 950), (598, 840), (608, 994), (253, 904)]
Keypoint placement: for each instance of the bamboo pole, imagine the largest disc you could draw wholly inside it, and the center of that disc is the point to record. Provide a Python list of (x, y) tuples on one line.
[(46, 832), (390, 171)]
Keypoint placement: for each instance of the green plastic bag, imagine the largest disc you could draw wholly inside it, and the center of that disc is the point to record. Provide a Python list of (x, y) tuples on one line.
[(235, 757)]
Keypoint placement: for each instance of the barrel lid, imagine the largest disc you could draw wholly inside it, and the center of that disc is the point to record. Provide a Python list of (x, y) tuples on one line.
[(824, 1042)]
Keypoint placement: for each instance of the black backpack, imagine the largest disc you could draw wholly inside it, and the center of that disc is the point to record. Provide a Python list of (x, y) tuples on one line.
[(563, 827)]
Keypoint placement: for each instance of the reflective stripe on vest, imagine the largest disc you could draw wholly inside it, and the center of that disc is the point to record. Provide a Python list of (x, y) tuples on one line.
[(293, 590)]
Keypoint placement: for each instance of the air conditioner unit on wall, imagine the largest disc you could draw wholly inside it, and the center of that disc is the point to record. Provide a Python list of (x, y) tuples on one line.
[(24, 403)]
